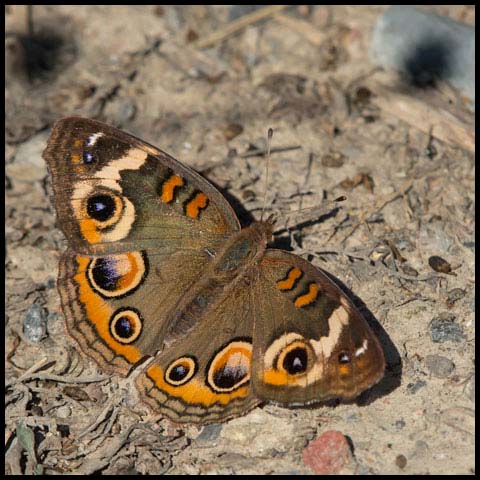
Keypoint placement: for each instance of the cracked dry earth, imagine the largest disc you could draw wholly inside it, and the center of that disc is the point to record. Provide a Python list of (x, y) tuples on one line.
[(306, 74)]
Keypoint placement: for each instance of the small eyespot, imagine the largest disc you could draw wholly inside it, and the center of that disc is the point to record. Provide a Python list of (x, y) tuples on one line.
[(126, 325), (101, 207), (89, 158), (295, 361), (343, 357), (180, 371)]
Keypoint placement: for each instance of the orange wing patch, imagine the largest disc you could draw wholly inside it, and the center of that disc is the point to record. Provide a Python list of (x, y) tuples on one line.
[(168, 188), (288, 283), (307, 298), (98, 313), (197, 203), (194, 391)]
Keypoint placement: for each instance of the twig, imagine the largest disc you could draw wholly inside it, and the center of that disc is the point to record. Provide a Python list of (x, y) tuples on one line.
[(302, 27), (36, 366), (425, 117), (56, 378), (380, 205), (99, 419), (237, 25), (263, 151)]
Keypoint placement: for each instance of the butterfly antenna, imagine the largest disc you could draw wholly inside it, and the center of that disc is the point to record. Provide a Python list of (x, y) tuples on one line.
[(267, 164)]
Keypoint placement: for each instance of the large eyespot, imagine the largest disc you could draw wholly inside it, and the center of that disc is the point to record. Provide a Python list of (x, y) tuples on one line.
[(104, 208), (117, 275), (293, 359), (230, 366), (126, 325), (180, 371)]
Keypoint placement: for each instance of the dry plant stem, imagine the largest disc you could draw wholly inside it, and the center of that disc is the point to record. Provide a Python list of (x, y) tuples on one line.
[(56, 378), (100, 418), (302, 27), (425, 117), (37, 366), (237, 25), (380, 204), (102, 456)]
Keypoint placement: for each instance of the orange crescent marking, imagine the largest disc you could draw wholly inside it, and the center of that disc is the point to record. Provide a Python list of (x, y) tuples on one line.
[(98, 313), (168, 188), (131, 269), (89, 230), (308, 298), (344, 369), (193, 391), (275, 377), (289, 282), (196, 204)]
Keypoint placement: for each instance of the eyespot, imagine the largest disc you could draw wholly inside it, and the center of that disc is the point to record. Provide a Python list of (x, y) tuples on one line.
[(126, 325), (295, 361), (117, 275), (180, 371), (344, 357), (294, 358), (101, 207), (230, 367), (89, 158)]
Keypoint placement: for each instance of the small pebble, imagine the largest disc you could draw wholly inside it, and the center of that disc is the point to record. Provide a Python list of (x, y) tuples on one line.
[(439, 366), (399, 424), (35, 324), (454, 296), (439, 264), (413, 388), (327, 454), (401, 461), (64, 411), (209, 433), (443, 328)]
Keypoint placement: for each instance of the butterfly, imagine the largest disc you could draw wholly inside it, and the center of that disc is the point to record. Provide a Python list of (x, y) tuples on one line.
[(158, 267)]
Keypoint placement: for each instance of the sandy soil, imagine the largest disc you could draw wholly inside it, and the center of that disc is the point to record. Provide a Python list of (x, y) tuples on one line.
[(307, 75)]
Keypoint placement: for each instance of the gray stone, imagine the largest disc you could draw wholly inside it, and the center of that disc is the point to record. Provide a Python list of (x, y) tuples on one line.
[(413, 388), (439, 366), (35, 324), (443, 328), (210, 433), (426, 46)]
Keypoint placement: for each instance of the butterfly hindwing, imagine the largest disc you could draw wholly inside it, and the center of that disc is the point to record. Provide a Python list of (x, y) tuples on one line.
[(310, 342), (211, 382)]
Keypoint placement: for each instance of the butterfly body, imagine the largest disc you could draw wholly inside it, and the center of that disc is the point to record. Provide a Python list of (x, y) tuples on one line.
[(158, 266)]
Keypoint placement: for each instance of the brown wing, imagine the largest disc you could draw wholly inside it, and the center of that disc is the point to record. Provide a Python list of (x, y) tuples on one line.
[(204, 377), (310, 342), (141, 229), (116, 193)]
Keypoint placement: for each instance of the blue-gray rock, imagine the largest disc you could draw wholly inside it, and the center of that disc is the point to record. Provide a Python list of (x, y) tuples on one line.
[(35, 324), (444, 328), (426, 46), (439, 366)]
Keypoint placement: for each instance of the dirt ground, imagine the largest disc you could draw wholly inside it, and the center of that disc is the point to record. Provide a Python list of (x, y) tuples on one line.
[(160, 73)]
